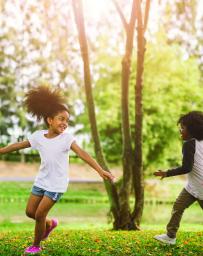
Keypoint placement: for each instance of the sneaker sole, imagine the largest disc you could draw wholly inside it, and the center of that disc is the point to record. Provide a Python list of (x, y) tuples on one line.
[(164, 241), (31, 253)]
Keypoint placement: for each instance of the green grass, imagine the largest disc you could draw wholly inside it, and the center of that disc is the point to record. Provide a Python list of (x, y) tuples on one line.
[(84, 229), (89, 214), (84, 214), (102, 243), (76, 192), (154, 189)]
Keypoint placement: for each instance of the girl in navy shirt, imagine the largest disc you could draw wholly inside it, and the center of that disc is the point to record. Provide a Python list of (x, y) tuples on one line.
[(191, 129)]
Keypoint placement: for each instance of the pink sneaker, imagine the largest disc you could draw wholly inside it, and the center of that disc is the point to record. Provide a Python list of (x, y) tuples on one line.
[(48, 231), (33, 250)]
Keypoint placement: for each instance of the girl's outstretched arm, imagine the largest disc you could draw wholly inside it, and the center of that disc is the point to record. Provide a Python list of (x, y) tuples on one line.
[(15, 146), (160, 174), (88, 159)]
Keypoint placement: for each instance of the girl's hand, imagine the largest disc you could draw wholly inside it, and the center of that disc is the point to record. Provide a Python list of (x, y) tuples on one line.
[(106, 175), (1, 151), (160, 173)]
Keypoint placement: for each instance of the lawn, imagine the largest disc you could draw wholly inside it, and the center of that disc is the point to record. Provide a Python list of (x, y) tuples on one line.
[(102, 243), (86, 205), (85, 228)]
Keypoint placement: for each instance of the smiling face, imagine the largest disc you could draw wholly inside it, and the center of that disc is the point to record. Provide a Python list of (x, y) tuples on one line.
[(59, 122)]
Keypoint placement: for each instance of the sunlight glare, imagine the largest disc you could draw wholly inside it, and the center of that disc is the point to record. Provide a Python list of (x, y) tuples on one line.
[(95, 8)]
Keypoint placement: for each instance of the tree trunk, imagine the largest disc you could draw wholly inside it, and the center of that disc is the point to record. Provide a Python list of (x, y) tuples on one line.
[(138, 177), (132, 164), (127, 147), (111, 188), (123, 219)]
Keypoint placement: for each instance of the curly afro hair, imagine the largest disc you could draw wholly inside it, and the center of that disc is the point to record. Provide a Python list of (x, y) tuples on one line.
[(43, 102), (194, 123)]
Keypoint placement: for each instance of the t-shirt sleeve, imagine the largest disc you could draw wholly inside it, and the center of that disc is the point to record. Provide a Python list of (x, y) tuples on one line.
[(32, 138), (69, 140)]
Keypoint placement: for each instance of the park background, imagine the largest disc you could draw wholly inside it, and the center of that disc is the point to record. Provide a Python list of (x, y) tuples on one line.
[(39, 44)]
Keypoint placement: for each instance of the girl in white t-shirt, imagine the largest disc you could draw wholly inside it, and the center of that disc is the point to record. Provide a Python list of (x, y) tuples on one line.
[(53, 145)]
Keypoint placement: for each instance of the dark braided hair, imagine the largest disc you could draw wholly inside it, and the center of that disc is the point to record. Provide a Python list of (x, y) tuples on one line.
[(43, 102), (194, 123)]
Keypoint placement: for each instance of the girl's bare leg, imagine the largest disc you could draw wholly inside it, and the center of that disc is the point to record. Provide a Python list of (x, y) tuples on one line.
[(40, 217), (32, 205)]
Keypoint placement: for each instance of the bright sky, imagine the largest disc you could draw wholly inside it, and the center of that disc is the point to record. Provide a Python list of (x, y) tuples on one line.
[(95, 10)]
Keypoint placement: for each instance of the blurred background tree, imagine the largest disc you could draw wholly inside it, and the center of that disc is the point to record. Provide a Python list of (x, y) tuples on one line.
[(38, 44)]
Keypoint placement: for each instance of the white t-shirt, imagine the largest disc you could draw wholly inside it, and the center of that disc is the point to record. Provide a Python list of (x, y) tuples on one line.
[(53, 171), (195, 177)]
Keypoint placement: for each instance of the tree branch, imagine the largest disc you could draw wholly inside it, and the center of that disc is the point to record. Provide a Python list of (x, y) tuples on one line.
[(123, 19), (146, 15)]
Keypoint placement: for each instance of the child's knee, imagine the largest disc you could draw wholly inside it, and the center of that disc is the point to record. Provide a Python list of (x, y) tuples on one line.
[(39, 216), (30, 214)]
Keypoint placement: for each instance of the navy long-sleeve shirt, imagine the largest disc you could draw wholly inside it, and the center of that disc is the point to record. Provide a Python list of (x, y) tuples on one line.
[(188, 151), (192, 164)]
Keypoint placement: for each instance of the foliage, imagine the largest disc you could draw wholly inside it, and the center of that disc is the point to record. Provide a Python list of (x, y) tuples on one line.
[(33, 51), (171, 88), (183, 25), (7, 91), (6, 85), (37, 46)]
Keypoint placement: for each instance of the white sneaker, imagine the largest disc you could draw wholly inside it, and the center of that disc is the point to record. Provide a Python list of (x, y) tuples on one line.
[(164, 238)]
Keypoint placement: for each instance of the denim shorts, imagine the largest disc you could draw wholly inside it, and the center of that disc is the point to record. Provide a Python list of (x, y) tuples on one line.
[(55, 196)]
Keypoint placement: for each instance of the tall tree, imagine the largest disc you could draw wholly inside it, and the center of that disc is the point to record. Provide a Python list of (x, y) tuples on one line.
[(111, 189), (133, 161), (138, 177), (126, 134), (123, 218)]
